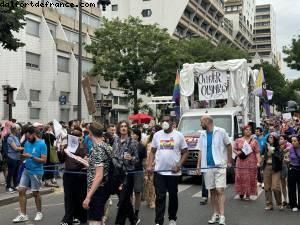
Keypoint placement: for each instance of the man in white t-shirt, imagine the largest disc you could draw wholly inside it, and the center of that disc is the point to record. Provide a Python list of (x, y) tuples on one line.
[(214, 151), (169, 150)]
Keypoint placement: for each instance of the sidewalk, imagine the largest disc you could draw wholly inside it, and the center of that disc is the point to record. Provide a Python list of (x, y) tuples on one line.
[(8, 198)]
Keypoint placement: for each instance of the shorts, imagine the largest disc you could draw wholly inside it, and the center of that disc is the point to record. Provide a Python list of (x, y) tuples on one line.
[(34, 182), (97, 203), (138, 182), (215, 178)]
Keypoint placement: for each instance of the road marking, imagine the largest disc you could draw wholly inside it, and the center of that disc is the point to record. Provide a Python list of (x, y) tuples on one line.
[(252, 197), (183, 187), (197, 195)]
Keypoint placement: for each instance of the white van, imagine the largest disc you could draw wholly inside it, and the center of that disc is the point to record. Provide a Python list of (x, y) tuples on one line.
[(229, 119)]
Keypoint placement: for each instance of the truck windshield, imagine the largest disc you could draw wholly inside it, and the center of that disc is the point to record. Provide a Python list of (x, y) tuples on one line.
[(192, 124)]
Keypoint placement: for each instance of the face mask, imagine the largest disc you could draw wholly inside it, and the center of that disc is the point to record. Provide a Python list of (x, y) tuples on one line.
[(165, 125)]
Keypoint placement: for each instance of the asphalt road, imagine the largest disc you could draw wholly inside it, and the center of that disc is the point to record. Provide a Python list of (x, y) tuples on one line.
[(190, 212)]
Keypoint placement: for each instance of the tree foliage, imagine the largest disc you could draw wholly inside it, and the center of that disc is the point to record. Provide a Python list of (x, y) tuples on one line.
[(130, 52), (296, 84), (275, 80), (293, 54), (11, 17), (145, 57)]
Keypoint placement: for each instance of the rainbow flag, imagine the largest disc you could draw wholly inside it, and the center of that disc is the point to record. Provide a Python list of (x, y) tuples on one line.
[(176, 90), (176, 95)]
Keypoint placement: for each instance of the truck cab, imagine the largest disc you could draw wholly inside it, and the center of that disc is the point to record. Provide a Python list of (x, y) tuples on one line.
[(229, 119)]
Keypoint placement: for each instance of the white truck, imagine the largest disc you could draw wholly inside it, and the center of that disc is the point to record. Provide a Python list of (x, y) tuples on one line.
[(235, 87)]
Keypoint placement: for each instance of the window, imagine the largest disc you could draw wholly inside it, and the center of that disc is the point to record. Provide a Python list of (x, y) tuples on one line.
[(32, 60), (123, 101), (73, 36), (116, 100), (86, 66), (35, 113), (67, 94), (114, 7), (147, 13), (52, 28), (32, 27), (67, 11), (63, 64), (90, 20), (34, 95)]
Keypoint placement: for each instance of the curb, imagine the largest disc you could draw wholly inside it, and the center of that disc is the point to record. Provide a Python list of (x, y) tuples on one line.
[(12, 198)]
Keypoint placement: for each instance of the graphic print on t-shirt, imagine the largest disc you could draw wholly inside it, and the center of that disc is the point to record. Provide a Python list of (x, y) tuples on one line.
[(167, 144)]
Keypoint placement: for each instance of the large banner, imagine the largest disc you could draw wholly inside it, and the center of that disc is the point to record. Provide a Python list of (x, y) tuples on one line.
[(213, 85)]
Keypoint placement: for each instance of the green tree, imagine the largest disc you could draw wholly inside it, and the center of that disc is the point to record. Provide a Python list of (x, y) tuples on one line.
[(295, 85), (130, 52), (11, 17), (276, 82), (293, 54)]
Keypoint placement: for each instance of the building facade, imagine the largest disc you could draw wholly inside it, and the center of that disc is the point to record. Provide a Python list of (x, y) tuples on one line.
[(264, 48), (183, 18), (45, 70), (241, 13)]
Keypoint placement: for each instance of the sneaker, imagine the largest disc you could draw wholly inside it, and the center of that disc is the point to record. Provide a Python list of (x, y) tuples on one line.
[(281, 207), (247, 198), (284, 204), (20, 218), (203, 201), (214, 219), (38, 216), (138, 221), (172, 222), (63, 223), (295, 209), (76, 221), (222, 220), (10, 190), (268, 208)]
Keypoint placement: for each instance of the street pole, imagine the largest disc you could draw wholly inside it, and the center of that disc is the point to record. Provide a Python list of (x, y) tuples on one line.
[(79, 63)]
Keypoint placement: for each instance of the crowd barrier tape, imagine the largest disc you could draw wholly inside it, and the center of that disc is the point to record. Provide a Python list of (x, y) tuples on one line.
[(154, 171)]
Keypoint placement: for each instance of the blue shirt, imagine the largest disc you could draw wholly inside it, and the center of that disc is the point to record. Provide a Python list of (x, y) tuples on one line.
[(36, 149), (11, 153), (210, 158), (262, 140), (87, 141)]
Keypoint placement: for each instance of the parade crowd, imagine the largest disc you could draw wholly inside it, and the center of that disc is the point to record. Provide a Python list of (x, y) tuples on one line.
[(32, 155)]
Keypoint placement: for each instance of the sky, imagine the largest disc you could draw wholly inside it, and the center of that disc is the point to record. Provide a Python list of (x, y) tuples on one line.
[(287, 14)]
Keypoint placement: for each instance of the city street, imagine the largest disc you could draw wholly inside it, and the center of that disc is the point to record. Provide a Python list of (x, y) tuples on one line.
[(190, 212)]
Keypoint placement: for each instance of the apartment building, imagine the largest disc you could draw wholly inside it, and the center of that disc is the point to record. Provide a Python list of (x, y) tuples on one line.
[(241, 13), (264, 48), (45, 70), (182, 18)]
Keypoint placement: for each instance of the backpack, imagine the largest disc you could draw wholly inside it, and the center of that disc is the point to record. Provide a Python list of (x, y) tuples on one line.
[(116, 174), (4, 149)]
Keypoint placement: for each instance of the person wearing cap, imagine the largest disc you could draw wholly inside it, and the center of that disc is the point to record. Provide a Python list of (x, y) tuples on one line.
[(35, 154), (248, 159)]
